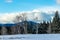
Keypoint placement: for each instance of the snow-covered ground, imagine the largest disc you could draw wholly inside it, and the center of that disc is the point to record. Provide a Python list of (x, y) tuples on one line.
[(31, 37)]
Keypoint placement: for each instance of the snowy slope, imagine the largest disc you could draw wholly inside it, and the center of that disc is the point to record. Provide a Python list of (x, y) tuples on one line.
[(31, 16), (31, 37)]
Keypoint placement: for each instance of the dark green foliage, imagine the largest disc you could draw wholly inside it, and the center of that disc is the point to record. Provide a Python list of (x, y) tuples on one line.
[(56, 23), (43, 28), (56, 18)]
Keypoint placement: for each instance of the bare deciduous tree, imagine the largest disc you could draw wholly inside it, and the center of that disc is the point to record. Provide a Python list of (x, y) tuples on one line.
[(36, 25), (22, 17), (4, 31)]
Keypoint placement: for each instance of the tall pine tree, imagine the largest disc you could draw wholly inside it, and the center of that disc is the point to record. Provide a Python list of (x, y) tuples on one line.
[(55, 23)]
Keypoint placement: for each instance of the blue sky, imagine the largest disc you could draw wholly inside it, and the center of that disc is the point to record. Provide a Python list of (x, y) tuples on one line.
[(24, 5), (9, 9)]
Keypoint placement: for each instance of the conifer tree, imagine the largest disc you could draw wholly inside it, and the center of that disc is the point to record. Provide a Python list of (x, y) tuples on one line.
[(55, 23)]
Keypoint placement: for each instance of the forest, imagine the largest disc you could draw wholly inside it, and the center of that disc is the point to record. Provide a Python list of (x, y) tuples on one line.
[(30, 27)]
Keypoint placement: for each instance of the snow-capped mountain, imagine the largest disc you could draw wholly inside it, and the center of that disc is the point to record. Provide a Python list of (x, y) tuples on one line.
[(35, 15)]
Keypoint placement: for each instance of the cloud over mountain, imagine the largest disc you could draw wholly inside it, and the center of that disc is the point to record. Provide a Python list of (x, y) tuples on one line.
[(37, 15)]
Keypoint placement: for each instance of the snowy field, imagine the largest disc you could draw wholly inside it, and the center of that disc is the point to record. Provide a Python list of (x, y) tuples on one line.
[(31, 37)]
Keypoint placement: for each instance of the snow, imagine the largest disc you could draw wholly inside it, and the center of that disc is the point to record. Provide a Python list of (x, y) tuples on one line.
[(31, 37)]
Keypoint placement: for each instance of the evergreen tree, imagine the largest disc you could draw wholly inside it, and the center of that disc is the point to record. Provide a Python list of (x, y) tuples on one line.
[(55, 23), (43, 28), (56, 18)]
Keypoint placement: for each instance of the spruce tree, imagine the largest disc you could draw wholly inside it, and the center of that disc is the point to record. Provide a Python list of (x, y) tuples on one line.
[(55, 23), (56, 17)]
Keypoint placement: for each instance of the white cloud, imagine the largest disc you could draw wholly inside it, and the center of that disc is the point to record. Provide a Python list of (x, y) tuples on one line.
[(7, 18), (44, 13), (47, 10), (58, 1), (40, 13), (8, 1)]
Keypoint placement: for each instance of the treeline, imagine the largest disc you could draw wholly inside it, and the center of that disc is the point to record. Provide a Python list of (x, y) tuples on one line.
[(29, 27)]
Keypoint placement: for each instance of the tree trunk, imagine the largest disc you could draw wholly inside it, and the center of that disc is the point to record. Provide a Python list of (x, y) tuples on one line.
[(36, 29), (4, 31)]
